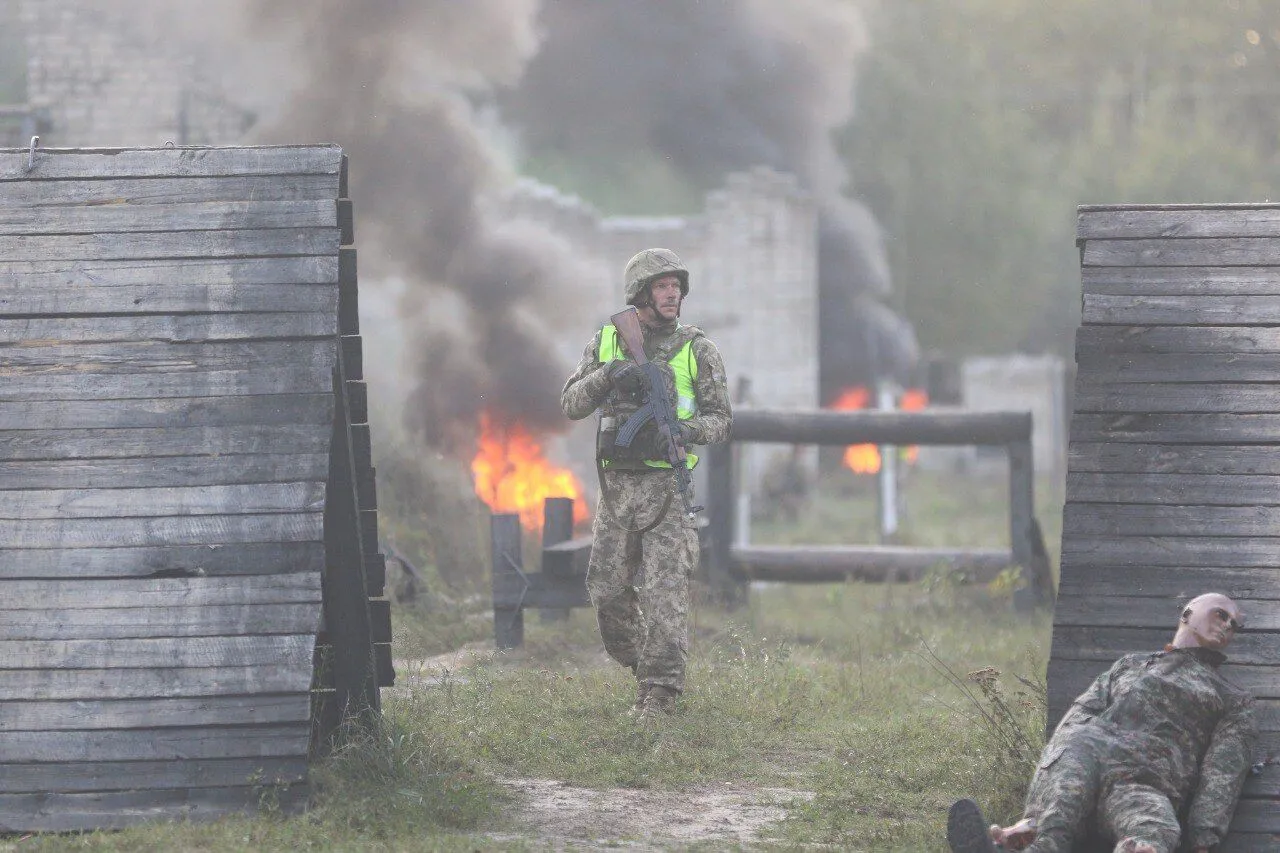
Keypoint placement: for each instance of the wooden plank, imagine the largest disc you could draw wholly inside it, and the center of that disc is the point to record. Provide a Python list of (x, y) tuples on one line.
[(1108, 642), (1169, 582), (1172, 458), (1073, 676), (1177, 339), (264, 160), (170, 273), (253, 409), (1206, 489), (1188, 251), (161, 357), (1200, 222), (180, 328), (243, 380), (1190, 397), (352, 357), (1246, 842), (117, 810), (200, 216), (175, 441), (93, 192), (183, 621), (1194, 310), (282, 677), (152, 713), (72, 299), (1101, 367), (162, 653), (173, 471), (160, 592), (1237, 552), (1180, 281), (171, 244), (84, 776), (250, 499), (358, 401), (568, 558), (1170, 428), (1158, 612), (543, 591), (1155, 520), (175, 530), (256, 558), (156, 744)]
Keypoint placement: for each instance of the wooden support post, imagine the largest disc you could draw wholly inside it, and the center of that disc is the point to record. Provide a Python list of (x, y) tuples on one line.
[(346, 599), (721, 506), (509, 584), (1024, 533), (557, 527)]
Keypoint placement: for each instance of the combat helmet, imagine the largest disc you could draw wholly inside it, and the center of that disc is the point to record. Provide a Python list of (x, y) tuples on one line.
[(651, 264)]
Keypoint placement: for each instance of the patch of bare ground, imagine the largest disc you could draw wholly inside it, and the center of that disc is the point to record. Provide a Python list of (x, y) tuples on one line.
[(565, 817)]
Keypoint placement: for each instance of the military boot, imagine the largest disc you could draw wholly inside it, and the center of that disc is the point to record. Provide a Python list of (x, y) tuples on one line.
[(967, 832), (660, 700)]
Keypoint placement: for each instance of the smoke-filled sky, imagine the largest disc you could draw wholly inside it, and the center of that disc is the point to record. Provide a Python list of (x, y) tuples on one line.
[(426, 96)]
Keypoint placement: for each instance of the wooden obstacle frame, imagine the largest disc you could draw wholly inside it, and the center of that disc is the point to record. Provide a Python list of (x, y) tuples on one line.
[(731, 567), (189, 571), (1173, 476), (728, 569)]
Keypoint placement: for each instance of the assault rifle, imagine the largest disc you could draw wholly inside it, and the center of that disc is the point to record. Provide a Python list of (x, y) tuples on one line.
[(657, 405)]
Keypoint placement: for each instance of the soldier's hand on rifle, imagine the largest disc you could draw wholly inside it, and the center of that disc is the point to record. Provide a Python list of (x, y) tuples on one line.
[(626, 377), (660, 448)]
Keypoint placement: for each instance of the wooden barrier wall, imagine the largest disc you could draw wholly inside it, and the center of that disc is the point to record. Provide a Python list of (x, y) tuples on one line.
[(1173, 484), (174, 388)]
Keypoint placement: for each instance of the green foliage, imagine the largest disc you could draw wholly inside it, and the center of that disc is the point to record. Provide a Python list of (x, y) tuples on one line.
[(982, 123)]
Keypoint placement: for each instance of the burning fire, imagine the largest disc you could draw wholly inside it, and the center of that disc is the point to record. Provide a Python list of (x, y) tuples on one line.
[(512, 475), (865, 458)]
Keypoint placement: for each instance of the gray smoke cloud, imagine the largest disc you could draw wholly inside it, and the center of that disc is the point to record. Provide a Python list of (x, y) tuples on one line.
[(411, 88), (403, 85), (723, 85)]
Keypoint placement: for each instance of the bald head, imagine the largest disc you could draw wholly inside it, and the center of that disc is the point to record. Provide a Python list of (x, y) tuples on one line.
[(1210, 620)]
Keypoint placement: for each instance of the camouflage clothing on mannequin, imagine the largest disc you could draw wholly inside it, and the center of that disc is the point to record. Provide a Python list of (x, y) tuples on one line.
[(645, 546), (1158, 736)]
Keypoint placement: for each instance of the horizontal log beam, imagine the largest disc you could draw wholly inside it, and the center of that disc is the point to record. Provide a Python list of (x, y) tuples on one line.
[(876, 564), (543, 591), (830, 427), (567, 559)]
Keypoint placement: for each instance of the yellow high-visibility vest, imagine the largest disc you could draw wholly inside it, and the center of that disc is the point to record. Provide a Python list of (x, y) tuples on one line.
[(682, 363)]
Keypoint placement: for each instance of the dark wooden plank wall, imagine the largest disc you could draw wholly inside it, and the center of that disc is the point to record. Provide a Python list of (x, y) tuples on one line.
[(170, 323), (1173, 484)]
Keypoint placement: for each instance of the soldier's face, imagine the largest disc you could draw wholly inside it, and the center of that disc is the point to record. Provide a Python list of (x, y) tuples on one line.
[(664, 298), (1213, 620)]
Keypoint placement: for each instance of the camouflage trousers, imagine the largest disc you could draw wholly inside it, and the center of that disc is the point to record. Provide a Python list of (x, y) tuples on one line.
[(639, 582), (1087, 785)]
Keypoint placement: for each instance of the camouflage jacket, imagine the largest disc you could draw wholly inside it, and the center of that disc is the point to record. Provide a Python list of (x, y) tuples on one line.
[(1177, 724), (588, 386)]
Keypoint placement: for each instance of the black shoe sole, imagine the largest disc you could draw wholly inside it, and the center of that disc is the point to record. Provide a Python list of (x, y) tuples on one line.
[(967, 832)]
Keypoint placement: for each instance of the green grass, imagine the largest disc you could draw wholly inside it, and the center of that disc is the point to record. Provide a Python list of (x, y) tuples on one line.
[(856, 693)]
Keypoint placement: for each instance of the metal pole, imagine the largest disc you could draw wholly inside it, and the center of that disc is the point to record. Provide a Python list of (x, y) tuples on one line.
[(888, 478)]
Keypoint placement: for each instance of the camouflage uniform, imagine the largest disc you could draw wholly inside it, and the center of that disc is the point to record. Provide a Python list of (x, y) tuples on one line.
[(647, 627), (1157, 737)]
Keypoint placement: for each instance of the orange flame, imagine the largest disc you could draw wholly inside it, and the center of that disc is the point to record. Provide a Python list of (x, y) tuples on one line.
[(512, 475), (865, 458)]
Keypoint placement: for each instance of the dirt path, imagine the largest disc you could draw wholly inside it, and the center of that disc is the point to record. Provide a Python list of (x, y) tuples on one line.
[(564, 816)]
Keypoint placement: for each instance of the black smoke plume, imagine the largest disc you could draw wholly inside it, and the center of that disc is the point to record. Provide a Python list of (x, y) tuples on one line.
[(716, 86)]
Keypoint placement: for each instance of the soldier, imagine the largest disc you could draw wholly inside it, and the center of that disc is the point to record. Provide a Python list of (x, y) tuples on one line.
[(646, 545), (1155, 737)]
